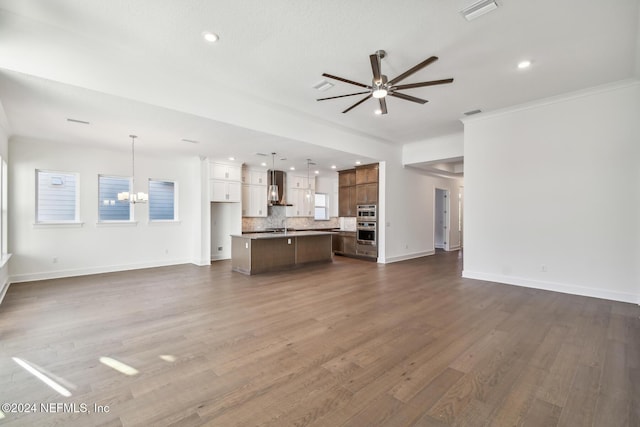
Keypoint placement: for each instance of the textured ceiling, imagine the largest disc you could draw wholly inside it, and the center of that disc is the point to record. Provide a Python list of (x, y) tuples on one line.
[(141, 66)]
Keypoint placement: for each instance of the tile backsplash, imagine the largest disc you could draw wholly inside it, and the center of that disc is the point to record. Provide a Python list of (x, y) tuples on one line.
[(276, 220)]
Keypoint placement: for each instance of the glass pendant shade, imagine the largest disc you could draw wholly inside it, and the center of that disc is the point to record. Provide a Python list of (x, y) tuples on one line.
[(273, 192)]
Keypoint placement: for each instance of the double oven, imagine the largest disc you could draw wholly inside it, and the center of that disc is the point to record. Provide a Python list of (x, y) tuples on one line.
[(367, 230)]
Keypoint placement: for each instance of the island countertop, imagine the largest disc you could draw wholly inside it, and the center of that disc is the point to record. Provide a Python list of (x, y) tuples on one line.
[(279, 235)]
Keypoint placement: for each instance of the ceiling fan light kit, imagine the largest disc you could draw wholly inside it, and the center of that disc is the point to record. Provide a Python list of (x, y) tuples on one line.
[(381, 87)]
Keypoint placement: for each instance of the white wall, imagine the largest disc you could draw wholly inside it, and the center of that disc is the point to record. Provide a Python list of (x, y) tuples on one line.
[(4, 266), (554, 186), (96, 248), (433, 150), (407, 223)]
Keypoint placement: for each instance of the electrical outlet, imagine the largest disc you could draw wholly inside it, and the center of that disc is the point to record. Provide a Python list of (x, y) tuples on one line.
[(543, 268), (220, 248), (55, 260)]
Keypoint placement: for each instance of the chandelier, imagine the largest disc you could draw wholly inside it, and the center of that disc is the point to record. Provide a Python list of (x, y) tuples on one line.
[(132, 197)]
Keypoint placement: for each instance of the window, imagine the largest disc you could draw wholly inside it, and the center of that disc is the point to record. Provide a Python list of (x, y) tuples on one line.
[(162, 200), (56, 197), (109, 208), (322, 207)]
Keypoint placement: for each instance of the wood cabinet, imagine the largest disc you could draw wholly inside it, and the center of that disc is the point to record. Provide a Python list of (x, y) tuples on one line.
[(367, 174), (367, 194), (357, 186), (344, 243), (347, 201)]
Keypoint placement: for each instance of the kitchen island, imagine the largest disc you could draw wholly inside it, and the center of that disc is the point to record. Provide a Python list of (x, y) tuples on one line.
[(263, 252)]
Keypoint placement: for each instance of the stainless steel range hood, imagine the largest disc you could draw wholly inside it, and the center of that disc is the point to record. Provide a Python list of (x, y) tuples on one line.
[(281, 182)]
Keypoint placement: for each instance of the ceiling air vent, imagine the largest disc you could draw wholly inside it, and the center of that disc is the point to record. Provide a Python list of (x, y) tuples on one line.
[(478, 8), (472, 112), (323, 85)]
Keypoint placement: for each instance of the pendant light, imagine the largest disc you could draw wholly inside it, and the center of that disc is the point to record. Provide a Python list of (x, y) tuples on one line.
[(132, 197), (273, 187), (309, 192)]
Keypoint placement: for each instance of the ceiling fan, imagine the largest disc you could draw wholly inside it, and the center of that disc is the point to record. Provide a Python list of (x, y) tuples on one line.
[(381, 87)]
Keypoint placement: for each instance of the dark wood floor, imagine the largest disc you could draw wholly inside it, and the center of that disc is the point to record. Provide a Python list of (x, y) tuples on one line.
[(349, 343)]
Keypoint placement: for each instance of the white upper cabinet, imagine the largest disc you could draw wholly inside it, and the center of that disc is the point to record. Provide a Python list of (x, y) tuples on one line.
[(225, 172)]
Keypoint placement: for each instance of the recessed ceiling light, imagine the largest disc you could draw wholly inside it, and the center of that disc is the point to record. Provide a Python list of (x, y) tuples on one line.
[(333, 166), (358, 162), (524, 64), (317, 172), (378, 111), (210, 37), (263, 164), (292, 168), (232, 158)]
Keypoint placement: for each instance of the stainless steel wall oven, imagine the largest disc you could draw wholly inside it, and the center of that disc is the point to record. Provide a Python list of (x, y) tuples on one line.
[(367, 231)]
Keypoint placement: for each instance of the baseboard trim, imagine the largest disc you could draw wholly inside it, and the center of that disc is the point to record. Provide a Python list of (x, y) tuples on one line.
[(58, 274), (552, 286), (405, 257)]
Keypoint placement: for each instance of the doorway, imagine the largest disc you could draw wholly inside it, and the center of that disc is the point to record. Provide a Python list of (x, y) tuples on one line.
[(441, 219)]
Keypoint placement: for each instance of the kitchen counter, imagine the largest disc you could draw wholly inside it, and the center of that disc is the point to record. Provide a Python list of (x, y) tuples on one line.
[(254, 253), (281, 234)]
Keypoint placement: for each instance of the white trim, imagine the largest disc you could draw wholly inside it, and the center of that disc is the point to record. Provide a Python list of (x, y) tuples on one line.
[(551, 286), (45, 275), (405, 257), (116, 223), (70, 224), (4, 260)]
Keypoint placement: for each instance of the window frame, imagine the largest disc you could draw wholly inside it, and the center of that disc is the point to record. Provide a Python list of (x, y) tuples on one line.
[(327, 213), (175, 201), (76, 219), (131, 219)]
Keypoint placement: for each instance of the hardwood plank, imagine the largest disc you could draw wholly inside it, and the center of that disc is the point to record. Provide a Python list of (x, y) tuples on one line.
[(344, 343)]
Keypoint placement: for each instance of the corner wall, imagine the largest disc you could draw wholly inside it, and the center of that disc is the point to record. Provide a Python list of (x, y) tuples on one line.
[(408, 217), (96, 248), (552, 194)]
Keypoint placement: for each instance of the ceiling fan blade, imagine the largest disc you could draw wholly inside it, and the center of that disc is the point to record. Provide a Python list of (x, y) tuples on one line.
[(431, 83), (357, 103), (413, 70), (342, 96), (383, 106), (375, 67), (345, 80), (408, 97)]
